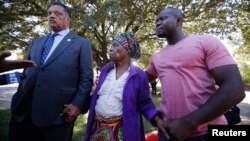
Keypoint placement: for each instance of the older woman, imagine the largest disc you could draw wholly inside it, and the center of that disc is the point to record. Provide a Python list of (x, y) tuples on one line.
[(121, 97)]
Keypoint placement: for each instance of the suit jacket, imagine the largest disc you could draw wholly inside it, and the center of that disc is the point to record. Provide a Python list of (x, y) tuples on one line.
[(66, 77)]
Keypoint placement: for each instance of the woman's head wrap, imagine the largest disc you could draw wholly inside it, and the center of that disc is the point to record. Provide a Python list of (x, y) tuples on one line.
[(128, 41)]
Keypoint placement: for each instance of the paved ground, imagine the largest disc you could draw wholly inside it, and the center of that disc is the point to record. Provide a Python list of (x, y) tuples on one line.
[(245, 112), (6, 92)]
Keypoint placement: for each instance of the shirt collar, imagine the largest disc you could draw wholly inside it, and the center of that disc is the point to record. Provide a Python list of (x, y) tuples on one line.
[(63, 32)]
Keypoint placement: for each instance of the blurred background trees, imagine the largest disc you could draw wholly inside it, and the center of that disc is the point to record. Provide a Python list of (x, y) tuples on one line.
[(101, 20)]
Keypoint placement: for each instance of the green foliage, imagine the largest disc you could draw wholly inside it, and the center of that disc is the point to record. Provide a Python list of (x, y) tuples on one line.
[(245, 73), (244, 49), (18, 20), (244, 25), (101, 20), (219, 21)]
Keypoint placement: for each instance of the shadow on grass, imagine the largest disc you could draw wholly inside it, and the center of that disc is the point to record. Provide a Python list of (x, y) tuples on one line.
[(4, 123), (79, 128)]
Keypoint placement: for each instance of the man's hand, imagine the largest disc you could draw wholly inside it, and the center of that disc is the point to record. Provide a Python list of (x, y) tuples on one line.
[(161, 125), (6, 65), (179, 129), (70, 112)]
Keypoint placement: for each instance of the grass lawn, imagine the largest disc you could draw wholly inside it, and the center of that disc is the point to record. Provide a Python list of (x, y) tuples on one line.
[(79, 128), (4, 120)]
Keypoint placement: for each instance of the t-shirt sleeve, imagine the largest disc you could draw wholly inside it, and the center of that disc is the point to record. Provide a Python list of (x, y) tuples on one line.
[(151, 68), (216, 53)]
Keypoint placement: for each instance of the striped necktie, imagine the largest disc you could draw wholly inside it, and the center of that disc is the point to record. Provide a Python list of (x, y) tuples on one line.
[(47, 46)]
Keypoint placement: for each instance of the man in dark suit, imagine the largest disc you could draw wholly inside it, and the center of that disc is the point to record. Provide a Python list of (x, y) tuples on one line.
[(52, 95)]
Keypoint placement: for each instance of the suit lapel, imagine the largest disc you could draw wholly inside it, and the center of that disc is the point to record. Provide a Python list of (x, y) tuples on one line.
[(66, 41)]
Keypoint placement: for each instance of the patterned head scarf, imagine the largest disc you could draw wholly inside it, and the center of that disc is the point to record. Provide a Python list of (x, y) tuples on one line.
[(128, 41)]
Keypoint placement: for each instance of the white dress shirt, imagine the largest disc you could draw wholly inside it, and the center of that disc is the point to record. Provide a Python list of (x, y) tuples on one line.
[(110, 94), (57, 40)]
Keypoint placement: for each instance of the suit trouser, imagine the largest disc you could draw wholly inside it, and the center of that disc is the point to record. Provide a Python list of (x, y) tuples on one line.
[(27, 131)]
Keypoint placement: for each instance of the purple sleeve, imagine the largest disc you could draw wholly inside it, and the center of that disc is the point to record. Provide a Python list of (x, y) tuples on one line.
[(146, 104)]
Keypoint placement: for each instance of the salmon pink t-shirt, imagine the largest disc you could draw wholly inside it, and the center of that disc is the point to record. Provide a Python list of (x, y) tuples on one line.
[(183, 70)]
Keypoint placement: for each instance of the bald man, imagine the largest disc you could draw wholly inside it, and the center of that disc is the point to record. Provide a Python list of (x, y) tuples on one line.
[(188, 67)]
